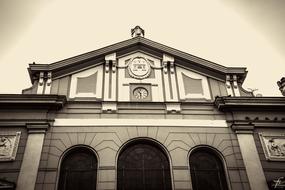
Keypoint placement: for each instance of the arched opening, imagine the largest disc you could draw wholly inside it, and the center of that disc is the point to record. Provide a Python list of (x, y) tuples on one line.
[(207, 170), (143, 165), (78, 170)]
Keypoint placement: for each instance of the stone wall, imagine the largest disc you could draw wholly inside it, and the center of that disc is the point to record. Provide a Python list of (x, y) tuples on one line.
[(107, 142)]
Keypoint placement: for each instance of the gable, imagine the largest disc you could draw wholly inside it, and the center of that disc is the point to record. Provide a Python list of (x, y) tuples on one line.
[(121, 71), (128, 77), (138, 43)]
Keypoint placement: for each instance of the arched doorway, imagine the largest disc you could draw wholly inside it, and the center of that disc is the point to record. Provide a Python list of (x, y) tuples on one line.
[(142, 165), (207, 170), (78, 170)]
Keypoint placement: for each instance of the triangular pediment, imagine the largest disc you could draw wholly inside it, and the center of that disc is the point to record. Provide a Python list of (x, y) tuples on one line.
[(138, 43), (137, 67)]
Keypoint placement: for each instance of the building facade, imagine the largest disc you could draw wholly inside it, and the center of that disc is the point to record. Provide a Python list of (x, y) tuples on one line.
[(140, 115)]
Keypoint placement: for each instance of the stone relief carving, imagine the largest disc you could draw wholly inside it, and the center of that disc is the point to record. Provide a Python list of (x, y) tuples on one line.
[(8, 146), (273, 146), (139, 68)]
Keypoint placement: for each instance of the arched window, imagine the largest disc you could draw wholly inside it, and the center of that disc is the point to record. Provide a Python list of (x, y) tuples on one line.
[(78, 170), (207, 171), (142, 165)]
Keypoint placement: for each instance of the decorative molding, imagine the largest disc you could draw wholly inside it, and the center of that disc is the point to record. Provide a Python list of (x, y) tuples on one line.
[(169, 78), (9, 145), (165, 67), (107, 66), (243, 127), (48, 83), (49, 79), (226, 103), (229, 86), (110, 78), (114, 65), (41, 79), (143, 122), (171, 67), (37, 127), (109, 107), (172, 107), (168, 60), (24, 122), (32, 101), (235, 86), (273, 146), (41, 83), (235, 81), (139, 68)]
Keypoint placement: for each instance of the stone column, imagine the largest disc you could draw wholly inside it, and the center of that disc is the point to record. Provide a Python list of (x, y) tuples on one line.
[(31, 160), (250, 157)]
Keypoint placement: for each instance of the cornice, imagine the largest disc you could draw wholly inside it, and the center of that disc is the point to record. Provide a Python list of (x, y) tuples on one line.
[(31, 101), (140, 42), (250, 103)]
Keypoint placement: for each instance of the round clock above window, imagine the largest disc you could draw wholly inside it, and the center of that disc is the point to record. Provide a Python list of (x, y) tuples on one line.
[(139, 68), (140, 93)]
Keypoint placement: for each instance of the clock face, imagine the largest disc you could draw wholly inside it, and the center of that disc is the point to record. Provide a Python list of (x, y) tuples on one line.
[(140, 93)]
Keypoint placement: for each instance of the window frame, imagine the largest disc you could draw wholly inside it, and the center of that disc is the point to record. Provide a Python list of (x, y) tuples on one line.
[(66, 152), (151, 141), (218, 154)]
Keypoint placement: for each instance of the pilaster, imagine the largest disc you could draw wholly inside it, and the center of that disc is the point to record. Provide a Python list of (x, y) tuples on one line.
[(169, 78), (250, 156), (110, 83), (45, 82), (30, 164), (228, 85)]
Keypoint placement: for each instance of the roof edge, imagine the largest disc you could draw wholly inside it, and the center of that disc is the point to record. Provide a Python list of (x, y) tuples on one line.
[(34, 101), (36, 68), (226, 103)]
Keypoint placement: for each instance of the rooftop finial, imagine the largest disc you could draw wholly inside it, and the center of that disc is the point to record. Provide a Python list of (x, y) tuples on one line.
[(137, 31)]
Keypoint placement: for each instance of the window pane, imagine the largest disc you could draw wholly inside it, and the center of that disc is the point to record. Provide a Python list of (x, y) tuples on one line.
[(78, 170), (207, 170), (143, 166)]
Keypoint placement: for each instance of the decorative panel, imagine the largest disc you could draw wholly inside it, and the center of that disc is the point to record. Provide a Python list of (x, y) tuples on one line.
[(88, 83), (8, 146), (273, 146), (192, 85)]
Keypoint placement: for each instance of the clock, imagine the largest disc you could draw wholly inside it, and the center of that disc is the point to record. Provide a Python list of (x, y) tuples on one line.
[(140, 93)]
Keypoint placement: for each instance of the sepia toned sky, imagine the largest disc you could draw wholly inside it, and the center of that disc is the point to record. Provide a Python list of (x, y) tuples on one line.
[(242, 33)]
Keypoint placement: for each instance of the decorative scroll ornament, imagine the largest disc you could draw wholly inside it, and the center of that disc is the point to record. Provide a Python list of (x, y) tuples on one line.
[(139, 68), (8, 146), (273, 146)]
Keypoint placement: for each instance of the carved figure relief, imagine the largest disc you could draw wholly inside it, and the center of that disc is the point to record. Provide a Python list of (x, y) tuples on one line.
[(273, 146), (8, 146)]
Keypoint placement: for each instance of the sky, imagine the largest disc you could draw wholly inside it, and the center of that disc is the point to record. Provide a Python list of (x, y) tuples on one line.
[(233, 33)]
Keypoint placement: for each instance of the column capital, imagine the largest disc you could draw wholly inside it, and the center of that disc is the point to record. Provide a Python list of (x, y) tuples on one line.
[(243, 127), (37, 127)]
